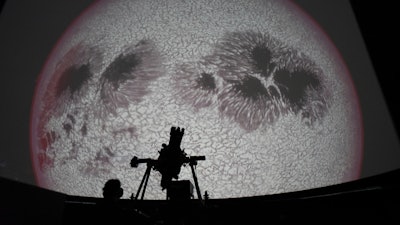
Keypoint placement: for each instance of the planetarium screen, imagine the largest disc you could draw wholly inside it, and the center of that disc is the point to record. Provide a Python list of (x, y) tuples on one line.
[(260, 87)]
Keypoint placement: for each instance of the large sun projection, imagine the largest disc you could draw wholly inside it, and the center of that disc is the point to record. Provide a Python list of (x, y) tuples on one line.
[(257, 85)]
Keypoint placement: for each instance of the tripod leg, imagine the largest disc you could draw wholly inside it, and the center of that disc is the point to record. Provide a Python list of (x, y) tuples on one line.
[(148, 170), (146, 174), (196, 183)]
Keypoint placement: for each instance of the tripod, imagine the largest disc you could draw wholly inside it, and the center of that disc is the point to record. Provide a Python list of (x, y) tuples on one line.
[(192, 161), (144, 181), (169, 163)]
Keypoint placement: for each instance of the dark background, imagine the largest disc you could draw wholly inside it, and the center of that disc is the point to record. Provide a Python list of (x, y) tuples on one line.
[(28, 35), (370, 50), (379, 25)]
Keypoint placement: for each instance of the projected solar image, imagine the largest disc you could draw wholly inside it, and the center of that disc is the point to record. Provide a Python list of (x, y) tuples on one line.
[(258, 86)]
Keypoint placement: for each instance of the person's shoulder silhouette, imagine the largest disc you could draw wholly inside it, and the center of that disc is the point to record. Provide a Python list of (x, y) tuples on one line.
[(109, 208), (111, 211)]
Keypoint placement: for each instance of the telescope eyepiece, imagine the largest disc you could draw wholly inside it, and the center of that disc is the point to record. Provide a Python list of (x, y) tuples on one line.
[(134, 162)]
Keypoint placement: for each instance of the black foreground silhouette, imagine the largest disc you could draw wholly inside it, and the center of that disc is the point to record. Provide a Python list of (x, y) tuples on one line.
[(372, 200)]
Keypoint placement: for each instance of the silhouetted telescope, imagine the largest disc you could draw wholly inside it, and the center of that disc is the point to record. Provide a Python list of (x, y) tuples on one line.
[(191, 159), (169, 162)]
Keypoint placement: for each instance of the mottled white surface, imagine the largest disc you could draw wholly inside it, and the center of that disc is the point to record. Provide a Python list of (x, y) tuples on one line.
[(283, 156)]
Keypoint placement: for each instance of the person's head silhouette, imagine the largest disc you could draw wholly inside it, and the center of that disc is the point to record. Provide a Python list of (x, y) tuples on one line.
[(112, 190)]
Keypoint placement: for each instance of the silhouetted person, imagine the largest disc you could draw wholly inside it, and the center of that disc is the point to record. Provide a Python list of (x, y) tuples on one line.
[(112, 190), (109, 208), (112, 211)]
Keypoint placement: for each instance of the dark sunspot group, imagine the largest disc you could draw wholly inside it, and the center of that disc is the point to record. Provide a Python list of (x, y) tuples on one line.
[(126, 79), (253, 79), (80, 78)]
